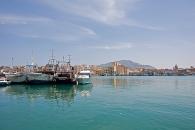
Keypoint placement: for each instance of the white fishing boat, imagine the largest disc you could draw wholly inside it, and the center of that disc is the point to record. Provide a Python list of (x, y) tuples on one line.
[(83, 77), (4, 81), (16, 77), (38, 78)]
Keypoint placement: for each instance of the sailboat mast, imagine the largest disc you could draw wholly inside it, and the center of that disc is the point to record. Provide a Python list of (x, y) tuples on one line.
[(32, 58), (12, 62)]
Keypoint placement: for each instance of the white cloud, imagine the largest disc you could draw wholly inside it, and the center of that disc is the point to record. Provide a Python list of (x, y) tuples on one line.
[(65, 36), (16, 19), (105, 11), (118, 46), (87, 31), (109, 12), (46, 28), (168, 44)]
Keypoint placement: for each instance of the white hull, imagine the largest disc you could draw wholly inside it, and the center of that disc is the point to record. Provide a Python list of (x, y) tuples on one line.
[(4, 83), (83, 80), (39, 78), (83, 77), (16, 78)]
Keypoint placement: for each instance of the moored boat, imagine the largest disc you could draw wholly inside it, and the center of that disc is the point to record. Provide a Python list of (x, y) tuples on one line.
[(16, 77), (83, 77), (64, 78), (4, 81), (39, 78)]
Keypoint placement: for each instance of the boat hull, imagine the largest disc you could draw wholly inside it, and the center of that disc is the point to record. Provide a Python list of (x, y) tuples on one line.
[(64, 78), (16, 78), (39, 78), (4, 83), (83, 80)]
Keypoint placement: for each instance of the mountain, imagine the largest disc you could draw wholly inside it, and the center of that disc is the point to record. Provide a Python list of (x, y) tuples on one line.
[(128, 63)]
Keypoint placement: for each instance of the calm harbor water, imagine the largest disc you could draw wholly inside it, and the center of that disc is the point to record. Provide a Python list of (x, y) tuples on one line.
[(110, 103)]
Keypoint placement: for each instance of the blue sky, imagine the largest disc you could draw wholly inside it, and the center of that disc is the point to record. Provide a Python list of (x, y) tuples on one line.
[(155, 32)]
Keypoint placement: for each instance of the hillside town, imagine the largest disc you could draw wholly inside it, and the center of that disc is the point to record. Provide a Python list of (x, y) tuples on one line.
[(117, 69)]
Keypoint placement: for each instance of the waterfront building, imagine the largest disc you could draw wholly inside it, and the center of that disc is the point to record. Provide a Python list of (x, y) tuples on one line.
[(119, 69)]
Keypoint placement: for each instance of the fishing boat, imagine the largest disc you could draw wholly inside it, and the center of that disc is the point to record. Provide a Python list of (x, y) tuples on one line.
[(16, 77), (83, 77), (39, 78), (4, 81), (64, 72), (64, 78)]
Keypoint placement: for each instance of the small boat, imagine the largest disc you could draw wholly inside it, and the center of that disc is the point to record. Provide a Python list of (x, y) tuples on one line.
[(64, 77), (16, 77), (83, 77), (39, 78), (4, 81)]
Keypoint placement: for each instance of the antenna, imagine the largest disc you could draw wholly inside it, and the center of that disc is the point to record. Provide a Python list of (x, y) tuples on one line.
[(12, 62), (52, 60), (32, 57), (52, 54), (68, 63), (52, 57), (63, 60), (69, 59)]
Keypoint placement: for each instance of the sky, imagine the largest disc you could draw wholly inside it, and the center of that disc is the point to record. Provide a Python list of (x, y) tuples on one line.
[(160, 33)]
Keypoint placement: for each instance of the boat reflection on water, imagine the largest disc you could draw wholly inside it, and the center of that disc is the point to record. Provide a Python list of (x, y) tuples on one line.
[(58, 93), (85, 90)]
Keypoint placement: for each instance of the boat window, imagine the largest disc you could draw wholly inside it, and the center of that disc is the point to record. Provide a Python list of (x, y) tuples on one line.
[(84, 74)]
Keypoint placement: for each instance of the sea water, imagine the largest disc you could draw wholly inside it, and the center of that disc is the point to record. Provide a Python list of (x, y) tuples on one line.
[(109, 103)]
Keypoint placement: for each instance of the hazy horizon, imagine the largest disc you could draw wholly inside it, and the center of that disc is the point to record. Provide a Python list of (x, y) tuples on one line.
[(152, 32)]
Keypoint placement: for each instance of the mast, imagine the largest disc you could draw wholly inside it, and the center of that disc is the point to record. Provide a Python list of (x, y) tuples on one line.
[(69, 59), (32, 58), (68, 63), (52, 57), (52, 61), (12, 62)]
